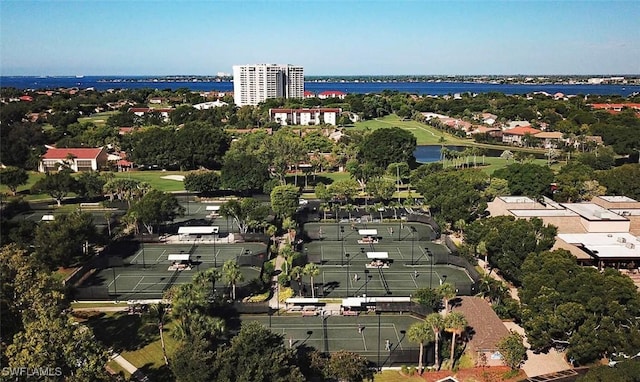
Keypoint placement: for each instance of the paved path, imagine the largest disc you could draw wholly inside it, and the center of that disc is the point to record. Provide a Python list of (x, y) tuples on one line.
[(131, 369), (543, 363), (536, 364)]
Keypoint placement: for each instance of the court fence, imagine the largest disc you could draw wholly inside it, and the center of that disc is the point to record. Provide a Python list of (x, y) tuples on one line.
[(404, 307), (426, 219)]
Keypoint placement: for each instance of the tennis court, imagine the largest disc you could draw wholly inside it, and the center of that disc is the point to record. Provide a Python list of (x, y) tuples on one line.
[(153, 268), (401, 231), (328, 333), (385, 282), (379, 259)]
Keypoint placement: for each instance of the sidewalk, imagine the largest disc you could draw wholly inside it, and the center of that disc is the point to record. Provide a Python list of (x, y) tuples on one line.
[(131, 369), (536, 364)]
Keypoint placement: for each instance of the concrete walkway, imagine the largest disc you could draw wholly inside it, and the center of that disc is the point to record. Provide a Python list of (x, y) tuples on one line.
[(536, 364), (131, 369)]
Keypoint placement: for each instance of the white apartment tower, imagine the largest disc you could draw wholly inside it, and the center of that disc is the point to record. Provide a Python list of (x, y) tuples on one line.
[(253, 84)]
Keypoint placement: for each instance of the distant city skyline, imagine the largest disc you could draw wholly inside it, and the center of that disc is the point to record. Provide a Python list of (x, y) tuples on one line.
[(325, 37)]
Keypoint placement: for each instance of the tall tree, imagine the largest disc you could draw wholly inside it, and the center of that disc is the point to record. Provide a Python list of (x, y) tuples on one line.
[(154, 208), (420, 333), (456, 324), (13, 177), (526, 178), (388, 145), (448, 293), (285, 200), (243, 171), (63, 241), (513, 350), (312, 270), (246, 212), (202, 181), (256, 354), (348, 366), (57, 185), (231, 273), (435, 321)]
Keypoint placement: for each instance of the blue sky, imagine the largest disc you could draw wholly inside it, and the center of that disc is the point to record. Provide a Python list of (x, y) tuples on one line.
[(326, 37)]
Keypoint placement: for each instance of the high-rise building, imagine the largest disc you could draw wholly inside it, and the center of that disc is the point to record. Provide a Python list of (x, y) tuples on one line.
[(253, 84)]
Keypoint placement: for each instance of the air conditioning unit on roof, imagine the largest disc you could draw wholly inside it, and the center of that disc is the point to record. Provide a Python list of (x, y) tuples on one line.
[(630, 245), (622, 240)]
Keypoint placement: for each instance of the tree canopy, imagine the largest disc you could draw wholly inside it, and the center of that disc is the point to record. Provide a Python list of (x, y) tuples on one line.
[(388, 145)]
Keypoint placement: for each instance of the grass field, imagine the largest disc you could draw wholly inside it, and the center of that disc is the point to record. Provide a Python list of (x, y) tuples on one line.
[(98, 119), (425, 135), (156, 179)]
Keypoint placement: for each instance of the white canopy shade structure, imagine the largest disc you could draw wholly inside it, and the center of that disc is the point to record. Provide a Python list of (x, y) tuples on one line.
[(179, 257), (213, 208), (197, 230), (377, 255), (368, 232), (48, 218), (302, 300)]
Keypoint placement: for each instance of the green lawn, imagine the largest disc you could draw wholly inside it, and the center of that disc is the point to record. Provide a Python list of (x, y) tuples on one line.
[(98, 119), (155, 179), (425, 135)]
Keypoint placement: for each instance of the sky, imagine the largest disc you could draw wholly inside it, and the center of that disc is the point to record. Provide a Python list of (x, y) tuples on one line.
[(348, 37)]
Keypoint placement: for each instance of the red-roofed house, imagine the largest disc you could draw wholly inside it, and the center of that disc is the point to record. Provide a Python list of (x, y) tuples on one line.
[(308, 94), (26, 98), (615, 108), (89, 159), (332, 94), (515, 135)]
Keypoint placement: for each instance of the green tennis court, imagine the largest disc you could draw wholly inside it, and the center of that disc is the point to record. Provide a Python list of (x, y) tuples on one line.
[(329, 333), (401, 231), (131, 284), (210, 254), (149, 271)]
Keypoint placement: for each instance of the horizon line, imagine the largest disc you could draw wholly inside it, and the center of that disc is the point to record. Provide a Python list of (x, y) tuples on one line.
[(337, 75)]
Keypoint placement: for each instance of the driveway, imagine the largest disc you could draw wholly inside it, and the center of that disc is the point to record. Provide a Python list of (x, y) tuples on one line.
[(539, 364)]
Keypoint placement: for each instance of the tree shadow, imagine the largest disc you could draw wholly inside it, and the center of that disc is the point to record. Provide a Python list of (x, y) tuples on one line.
[(123, 331), (161, 374)]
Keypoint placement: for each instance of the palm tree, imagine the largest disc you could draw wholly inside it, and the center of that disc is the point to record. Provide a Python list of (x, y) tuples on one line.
[(454, 323), (211, 275), (296, 274), (312, 271), (420, 333), (232, 275), (448, 293), (288, 254), (158, 311), (436, 323)]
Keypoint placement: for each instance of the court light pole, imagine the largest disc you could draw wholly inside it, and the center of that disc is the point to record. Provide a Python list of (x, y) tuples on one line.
[(431, 263), (115, 287), (341, 232), (215, 254), (413, 239), (144, 265), (348, 278), (366, 282), (378, 313)]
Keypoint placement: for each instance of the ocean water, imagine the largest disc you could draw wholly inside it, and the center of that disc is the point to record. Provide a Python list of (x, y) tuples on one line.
[(428, 88)]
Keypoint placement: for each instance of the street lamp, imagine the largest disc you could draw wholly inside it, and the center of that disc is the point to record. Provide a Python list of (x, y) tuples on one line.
[(348, 279), (413, 239), (115, 287)]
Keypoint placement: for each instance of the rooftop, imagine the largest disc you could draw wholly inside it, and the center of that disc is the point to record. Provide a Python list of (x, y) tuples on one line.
[(606, 245), (64, 153), (542, 213), (516, 199), (593, 212), (618, 199)]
